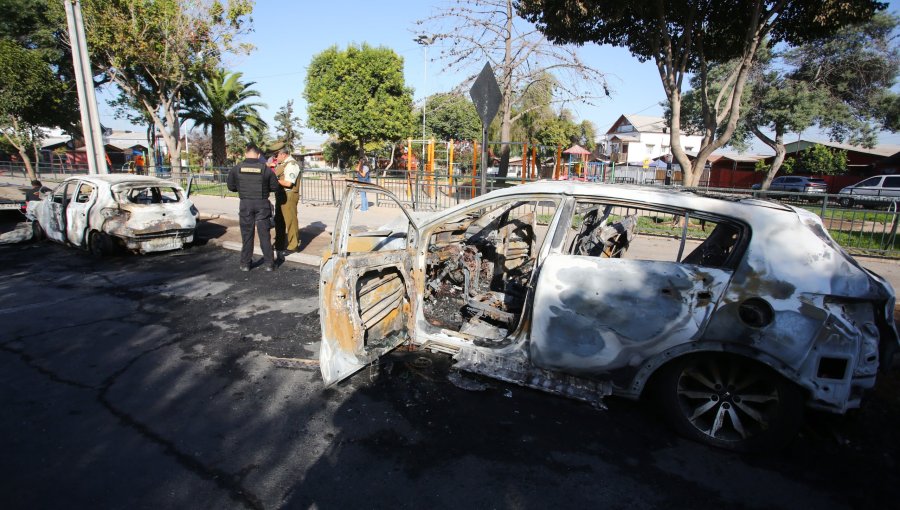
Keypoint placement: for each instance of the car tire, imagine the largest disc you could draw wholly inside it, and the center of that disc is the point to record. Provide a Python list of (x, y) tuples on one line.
[(37, 231), (729, 402), (99, 244), (846, 202)]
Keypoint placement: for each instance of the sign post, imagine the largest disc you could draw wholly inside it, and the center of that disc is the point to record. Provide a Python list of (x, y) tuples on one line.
[(486, 95)]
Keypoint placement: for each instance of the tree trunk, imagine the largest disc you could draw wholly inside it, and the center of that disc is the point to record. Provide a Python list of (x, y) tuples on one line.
[(506, 103), (29, 170), (780, 152), (23, 153), (219, 144)]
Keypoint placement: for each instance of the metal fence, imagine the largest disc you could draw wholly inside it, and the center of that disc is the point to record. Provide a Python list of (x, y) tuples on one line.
[(864, 226)]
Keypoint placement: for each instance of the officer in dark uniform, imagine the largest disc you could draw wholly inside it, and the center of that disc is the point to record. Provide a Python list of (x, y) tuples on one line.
[(253, 182)]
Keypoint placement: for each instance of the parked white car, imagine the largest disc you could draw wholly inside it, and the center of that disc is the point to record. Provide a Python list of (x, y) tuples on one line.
[(736, 312), (880, 189), (96, 212)]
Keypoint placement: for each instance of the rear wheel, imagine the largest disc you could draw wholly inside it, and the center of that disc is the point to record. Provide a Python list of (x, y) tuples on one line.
[(99, 244), (729, 402)]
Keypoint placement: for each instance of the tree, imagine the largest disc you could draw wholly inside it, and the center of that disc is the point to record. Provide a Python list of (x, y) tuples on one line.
[(493, 31), (31, 96), (201, 148), (219, 101), (358, 95), (36, 89), (153, 50), (287, 126), (683, 37), (820, 160), (451, 116), (854, 69), (839, 83)]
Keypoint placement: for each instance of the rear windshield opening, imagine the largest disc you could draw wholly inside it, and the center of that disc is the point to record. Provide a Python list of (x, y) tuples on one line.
[(818, 181), (148, 195)]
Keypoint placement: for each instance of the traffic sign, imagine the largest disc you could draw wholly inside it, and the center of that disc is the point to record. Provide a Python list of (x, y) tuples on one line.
[(485, 93)]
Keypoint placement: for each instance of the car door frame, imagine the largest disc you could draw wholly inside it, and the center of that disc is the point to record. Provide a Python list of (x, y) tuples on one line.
[(78, 214), (55, 224), (550, 295), (344, 346)]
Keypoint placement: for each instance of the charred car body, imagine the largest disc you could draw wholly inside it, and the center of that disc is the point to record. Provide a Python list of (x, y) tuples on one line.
[(96, 212), (746, 313)]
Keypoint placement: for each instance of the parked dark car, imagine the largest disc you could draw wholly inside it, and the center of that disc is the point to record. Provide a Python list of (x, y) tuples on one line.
[(793, 184)]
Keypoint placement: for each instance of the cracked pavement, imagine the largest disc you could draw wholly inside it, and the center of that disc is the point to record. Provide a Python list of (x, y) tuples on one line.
[(162, 381)]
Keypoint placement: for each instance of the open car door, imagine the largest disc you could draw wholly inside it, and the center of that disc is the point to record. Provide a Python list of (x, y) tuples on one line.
[(366, 291)]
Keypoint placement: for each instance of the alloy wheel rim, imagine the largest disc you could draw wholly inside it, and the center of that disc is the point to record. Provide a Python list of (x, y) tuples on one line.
[(727, 401)]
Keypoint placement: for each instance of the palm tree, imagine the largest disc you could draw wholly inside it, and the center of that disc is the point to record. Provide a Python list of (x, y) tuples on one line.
[(220, 101)]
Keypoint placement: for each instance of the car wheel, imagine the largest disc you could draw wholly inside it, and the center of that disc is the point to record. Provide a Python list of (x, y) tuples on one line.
[(729, 402), (846, 202), (99, 244), (37, 232)]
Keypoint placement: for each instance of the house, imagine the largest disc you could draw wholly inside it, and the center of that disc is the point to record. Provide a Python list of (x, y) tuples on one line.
[(635, 138), (732, 170)]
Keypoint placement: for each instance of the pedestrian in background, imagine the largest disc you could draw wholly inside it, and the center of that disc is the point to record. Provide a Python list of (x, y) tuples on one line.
[(288, 174), (253, 182), (138, 164), (362, 175)]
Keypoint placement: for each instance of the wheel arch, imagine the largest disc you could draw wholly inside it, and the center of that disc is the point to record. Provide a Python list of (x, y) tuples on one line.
[(653, 366)]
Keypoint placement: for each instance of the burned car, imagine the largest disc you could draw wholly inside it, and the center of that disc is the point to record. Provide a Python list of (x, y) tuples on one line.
[(733, 313), (98, 212)]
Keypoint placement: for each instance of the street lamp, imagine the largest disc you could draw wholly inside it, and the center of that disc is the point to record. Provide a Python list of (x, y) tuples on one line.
[(425, 41)]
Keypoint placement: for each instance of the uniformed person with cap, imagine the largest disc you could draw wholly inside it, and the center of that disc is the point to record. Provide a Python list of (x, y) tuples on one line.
[(288, 173), (253, 182)]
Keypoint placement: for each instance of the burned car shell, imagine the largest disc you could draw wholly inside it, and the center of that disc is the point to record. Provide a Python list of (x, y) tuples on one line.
[(103, 214), (791, 300)]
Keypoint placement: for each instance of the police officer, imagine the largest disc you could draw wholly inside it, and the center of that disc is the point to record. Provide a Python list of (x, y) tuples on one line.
[(253, 182), (288, 174)]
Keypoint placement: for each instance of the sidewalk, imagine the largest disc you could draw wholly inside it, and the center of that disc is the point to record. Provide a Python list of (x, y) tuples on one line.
[(219, 226)]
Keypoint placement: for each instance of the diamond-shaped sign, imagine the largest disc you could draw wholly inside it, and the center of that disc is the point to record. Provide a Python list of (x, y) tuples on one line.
[(485, 93)]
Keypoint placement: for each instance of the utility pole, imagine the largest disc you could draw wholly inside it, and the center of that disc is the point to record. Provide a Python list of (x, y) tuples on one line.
[(87, 98)]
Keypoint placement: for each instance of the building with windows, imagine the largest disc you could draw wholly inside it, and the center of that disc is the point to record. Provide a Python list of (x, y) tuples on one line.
[(635, 138)]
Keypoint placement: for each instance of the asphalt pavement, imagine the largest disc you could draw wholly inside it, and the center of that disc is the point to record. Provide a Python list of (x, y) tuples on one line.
[(176, 381)]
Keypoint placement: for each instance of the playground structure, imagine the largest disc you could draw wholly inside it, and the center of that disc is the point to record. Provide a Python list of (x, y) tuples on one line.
[(432, 174)]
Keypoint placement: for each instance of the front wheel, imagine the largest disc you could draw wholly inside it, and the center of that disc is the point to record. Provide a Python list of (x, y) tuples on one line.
[(37, 232), (846, 202), (729, 402)]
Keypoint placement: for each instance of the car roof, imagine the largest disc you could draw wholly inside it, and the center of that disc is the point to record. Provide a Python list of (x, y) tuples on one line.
[(113, 179), (741, 207)]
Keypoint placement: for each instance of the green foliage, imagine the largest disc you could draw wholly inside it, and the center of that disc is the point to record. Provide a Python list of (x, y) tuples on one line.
[(787, 166), (451, 117), (854, 70), (288, 126), (722, 25), (220, 100), (820, 160), (358, 94), (32, 95), (339, 153)]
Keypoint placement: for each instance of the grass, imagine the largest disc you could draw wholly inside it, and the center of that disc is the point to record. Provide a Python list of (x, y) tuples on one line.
[(865, 242)]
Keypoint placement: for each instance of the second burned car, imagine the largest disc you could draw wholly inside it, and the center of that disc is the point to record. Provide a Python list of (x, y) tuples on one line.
[(101, 212), (738, 313)]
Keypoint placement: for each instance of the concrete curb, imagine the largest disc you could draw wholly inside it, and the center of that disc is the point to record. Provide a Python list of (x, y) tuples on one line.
[(300, 258)]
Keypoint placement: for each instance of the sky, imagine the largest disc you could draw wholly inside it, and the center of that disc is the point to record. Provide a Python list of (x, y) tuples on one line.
[(288, 34)]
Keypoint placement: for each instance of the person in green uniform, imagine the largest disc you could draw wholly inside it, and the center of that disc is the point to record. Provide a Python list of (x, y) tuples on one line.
[(288, 173)]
